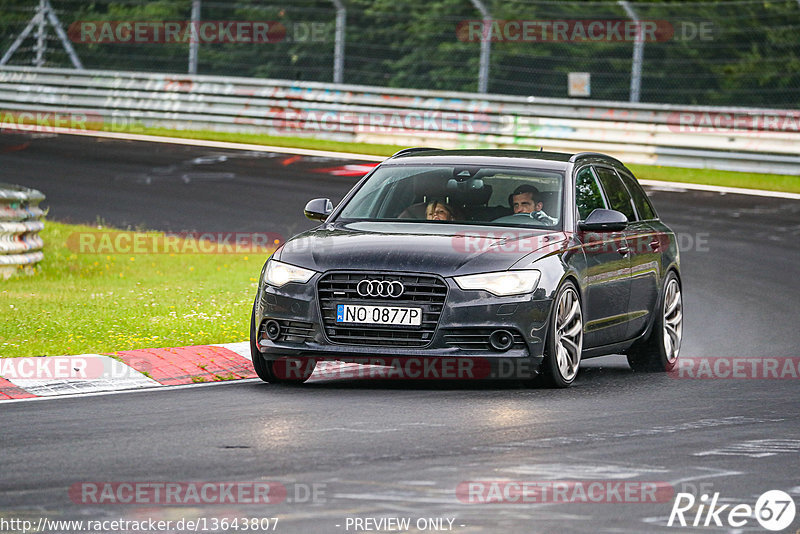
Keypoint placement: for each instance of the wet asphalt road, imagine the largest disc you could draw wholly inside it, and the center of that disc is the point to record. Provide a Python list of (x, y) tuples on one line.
[(396, 449)]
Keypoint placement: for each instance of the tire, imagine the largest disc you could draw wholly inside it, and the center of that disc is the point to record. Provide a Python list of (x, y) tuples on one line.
[(564, 338), (277, 372), (660, 351)]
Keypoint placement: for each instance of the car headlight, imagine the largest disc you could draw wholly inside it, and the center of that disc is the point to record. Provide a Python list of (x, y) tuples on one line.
[(279, 274), (503, 283)]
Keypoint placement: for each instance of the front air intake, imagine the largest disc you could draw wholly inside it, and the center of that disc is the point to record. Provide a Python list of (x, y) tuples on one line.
[(424, 291)]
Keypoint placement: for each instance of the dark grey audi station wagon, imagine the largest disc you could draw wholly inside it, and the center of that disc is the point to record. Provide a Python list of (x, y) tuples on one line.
[(539, 258)]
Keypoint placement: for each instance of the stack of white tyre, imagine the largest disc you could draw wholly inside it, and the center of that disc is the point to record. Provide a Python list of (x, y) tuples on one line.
[(21, 246)]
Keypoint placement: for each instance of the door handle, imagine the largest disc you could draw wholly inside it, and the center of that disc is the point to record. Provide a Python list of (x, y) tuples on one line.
[(623, 251), (655, 245)]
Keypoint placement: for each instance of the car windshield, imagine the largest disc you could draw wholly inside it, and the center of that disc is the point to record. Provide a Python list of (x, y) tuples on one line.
[(485, 195)]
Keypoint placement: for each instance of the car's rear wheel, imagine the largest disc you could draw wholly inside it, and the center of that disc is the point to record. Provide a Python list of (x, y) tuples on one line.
[(565, 338), (659, 352), (283, 371)]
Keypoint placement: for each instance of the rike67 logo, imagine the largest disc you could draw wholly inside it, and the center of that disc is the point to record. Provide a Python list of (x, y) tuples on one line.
[(774, 510)]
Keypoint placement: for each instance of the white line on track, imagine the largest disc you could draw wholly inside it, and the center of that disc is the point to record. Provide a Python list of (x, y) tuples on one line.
[(138, 390), (682, 187), (203, 142)]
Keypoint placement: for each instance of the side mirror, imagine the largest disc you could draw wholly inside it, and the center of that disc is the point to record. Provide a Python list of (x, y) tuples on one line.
[(601, 220), (318, 209)]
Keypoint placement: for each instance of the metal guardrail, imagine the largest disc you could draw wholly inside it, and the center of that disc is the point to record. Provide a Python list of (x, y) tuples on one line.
[(742, 139), (20, 224)]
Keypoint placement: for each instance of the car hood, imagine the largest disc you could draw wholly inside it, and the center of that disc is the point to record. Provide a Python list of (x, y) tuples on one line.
[(446, 249)]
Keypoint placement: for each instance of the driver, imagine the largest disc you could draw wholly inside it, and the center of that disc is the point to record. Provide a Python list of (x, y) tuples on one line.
[(526, 199)]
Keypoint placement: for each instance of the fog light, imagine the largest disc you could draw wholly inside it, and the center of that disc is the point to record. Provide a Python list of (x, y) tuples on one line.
[(501, 340), (273, 330)]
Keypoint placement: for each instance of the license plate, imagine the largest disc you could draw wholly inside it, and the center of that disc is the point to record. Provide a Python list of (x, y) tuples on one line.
[(351, 313)]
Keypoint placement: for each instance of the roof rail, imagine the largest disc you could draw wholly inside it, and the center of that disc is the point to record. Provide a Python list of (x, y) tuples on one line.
[(576, 157), (412, 149)]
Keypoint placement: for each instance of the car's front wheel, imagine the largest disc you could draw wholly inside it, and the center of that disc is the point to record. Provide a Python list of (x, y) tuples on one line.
[(283, 371), (565, 338), (659, 352)]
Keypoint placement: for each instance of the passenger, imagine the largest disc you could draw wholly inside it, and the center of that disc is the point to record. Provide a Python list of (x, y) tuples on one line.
[(526, 199), (439, 211)]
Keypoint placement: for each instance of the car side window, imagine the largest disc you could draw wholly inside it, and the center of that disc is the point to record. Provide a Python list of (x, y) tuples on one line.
[(640, 200), (618, 196), (588, 196)]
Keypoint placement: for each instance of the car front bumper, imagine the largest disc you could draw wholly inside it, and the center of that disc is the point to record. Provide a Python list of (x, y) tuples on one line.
[(463, 330)]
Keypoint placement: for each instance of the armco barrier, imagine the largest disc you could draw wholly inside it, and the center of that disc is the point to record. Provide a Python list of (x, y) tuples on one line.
[(20, 224), (744, 139)]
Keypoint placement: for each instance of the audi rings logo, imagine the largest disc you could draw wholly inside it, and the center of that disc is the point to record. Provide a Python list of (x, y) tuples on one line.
[(380, 288)]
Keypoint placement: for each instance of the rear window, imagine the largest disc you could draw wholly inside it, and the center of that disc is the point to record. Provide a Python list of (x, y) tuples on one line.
[(640, 200)]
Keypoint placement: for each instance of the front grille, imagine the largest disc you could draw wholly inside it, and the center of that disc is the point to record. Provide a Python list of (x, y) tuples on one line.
[(423, 291), (478, 338), (291, 331)]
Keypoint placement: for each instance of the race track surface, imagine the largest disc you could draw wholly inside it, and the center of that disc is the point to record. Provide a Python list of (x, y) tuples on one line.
[(379, 449)]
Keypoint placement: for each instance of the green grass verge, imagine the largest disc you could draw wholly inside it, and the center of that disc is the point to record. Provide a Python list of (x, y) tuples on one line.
[(770, 182), (77, 303)]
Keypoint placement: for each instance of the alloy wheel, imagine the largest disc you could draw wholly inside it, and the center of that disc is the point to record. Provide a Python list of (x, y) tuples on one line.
[(673, 320), (569, 334)]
